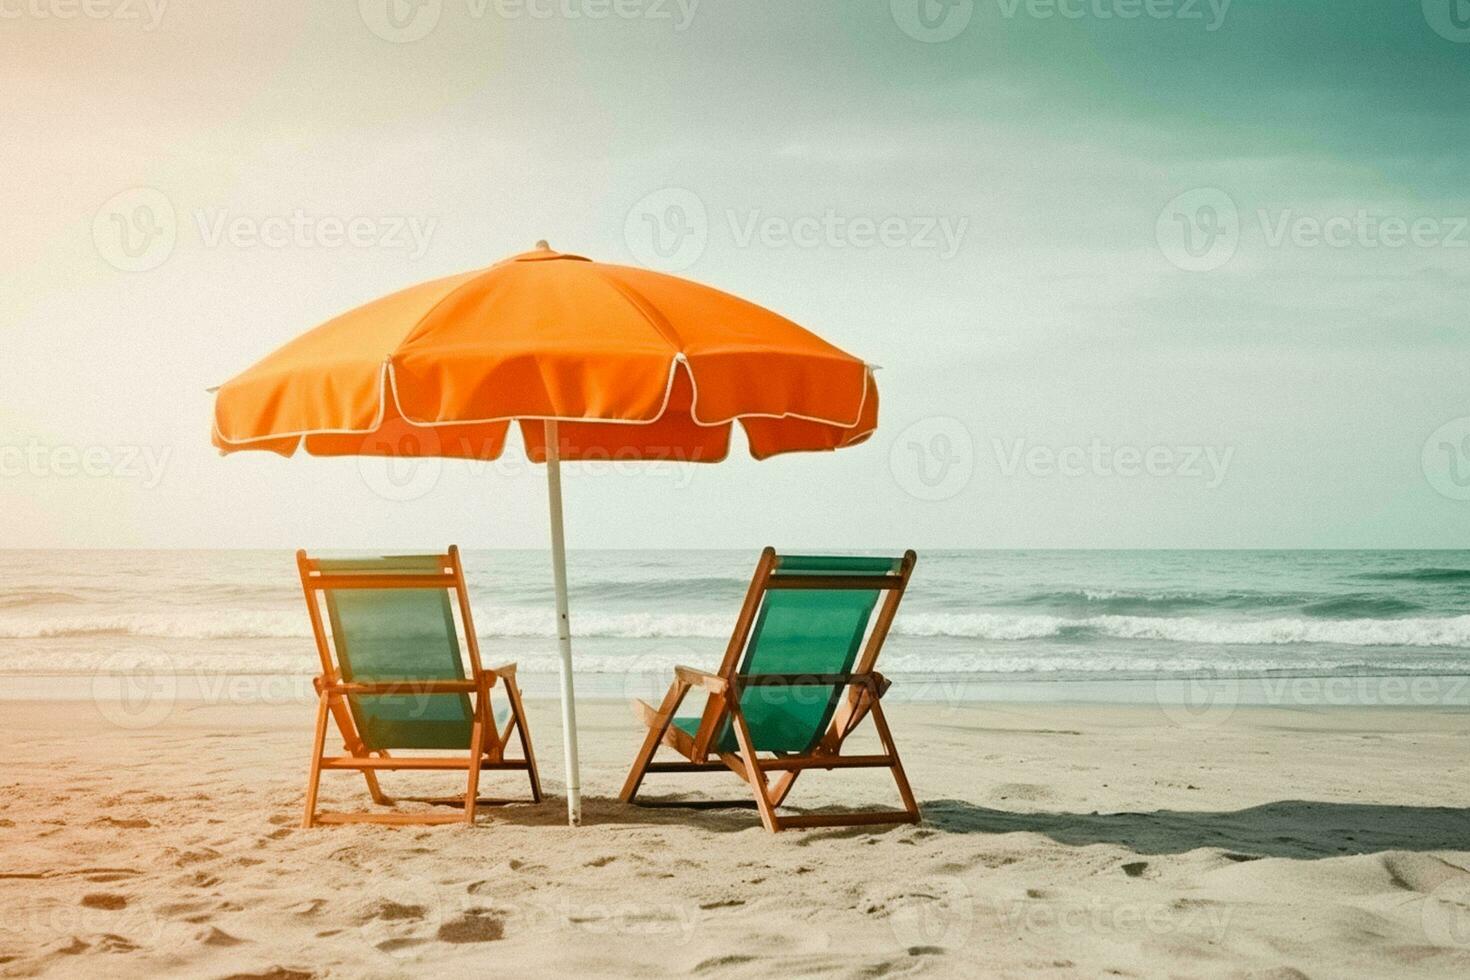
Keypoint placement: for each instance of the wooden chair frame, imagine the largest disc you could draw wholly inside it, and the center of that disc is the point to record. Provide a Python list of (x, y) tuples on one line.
[(487, 742), (865, 690)]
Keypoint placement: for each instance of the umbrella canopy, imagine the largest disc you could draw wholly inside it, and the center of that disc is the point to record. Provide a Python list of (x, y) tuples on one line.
[(592, 361), (548, 336)]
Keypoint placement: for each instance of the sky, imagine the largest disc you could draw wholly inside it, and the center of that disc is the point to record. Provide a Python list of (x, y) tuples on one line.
[(1138, 273)]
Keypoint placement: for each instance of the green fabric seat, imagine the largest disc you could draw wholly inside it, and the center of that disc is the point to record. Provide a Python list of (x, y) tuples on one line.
[(387, 635), (801, 631)]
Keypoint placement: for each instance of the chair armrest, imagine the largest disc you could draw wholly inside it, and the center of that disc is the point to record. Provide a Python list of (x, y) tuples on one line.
[(504, 670), (700, 678)]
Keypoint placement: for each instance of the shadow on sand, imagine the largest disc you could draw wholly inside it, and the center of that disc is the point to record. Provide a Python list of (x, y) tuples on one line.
[(1286, 828)]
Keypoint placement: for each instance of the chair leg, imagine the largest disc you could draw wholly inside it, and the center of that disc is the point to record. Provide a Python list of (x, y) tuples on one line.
[(518, 710), (477, 752), (782, 789), (314, 777), (374, 789), (756, 777), (886, 737), (651, 741)]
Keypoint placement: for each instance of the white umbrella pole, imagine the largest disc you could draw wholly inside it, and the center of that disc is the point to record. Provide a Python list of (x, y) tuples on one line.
[(563, 625)]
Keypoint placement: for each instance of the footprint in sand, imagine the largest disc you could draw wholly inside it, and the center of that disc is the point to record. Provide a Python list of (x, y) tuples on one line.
[(126, 824), (727, 903), (722, 963), (218, 938), (104, 900), (474, 926), (311, 907)]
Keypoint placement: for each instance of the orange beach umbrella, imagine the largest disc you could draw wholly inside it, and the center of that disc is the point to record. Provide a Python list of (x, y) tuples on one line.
[(592, 361)]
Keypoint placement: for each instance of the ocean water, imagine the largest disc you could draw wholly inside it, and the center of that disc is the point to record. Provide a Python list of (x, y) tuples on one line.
[(983, 615)]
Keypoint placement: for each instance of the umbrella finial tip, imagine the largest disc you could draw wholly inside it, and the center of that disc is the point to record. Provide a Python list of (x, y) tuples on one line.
[(542, 245)]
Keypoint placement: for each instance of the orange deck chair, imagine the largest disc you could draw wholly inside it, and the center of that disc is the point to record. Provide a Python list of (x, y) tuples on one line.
[(398, 682), (796, 680)]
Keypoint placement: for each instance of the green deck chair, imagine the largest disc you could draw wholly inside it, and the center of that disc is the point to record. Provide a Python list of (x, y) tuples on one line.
[(398, 681), (796, 680)]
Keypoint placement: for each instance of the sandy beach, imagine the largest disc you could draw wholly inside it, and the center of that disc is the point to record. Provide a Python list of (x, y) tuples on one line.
[(1076, 840)]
